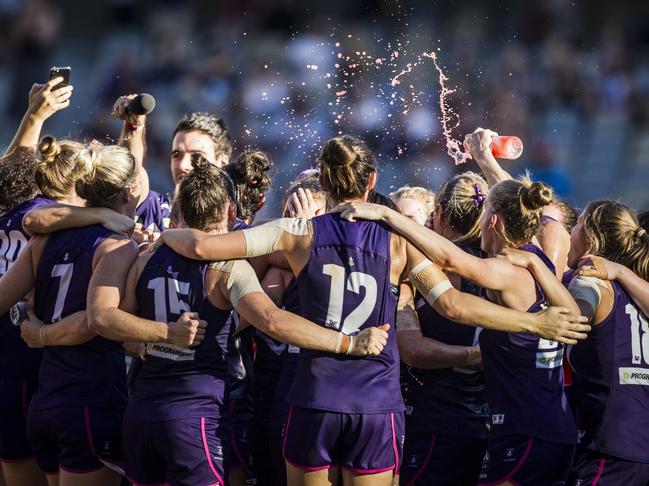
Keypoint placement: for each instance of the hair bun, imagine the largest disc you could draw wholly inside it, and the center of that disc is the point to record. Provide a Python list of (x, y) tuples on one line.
[(252, 166), (340, 152), (640, 232), (49, 148), (536, 196)]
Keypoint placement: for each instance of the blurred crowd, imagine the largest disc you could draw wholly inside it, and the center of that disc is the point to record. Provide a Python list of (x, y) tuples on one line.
[(287, 76)]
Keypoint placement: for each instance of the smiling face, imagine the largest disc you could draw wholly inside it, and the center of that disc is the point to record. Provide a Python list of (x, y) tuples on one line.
[(184, 145), (579, 245)]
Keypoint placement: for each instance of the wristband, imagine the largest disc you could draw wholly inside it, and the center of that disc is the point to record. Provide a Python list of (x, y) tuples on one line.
[(339, 340), (351, 345), (41, 335)]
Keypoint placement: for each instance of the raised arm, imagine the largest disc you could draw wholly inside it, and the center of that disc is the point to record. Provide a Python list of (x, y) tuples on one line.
[(555, 242), (57, 217), (479, 144), (421, 352), (556, 323), (111, 291), (43, 103)]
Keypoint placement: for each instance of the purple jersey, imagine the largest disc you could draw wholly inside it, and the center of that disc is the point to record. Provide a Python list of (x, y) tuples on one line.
[(449, 401), (611, 382), (92, 373), (291, 303), (524, 380), (346, 283), (177, 382), (154, 212), (17, 361)]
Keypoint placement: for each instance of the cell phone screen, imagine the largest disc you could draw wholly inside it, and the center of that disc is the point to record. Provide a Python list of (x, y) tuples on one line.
[(64, 72)]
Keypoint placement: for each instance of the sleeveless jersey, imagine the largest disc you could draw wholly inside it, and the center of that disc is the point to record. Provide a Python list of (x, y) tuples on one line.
[(611, 382), (177, 382), (153, 213), (524, 380), (291, 303), (346, 283), (17, 360), (450, 401), (92, 373)]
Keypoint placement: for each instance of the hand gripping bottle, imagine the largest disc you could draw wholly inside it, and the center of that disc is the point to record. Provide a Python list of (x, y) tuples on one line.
[(506, 147)]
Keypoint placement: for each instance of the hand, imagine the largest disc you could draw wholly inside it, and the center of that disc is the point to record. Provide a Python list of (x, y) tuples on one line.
[(156, 244), (479, 142), (301, 204), (142, 236), (43, 102), (187, 331), (558, 324), (361, 210), (121, 113), (30, 330), (116, 222), (519, 258), (475, 357), (594, 266), (370, 341)]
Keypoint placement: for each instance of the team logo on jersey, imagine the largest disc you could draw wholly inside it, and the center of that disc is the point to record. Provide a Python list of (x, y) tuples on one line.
[(498, 419), (413, 461), (170, 351), (66, 257), (634, 376), (351, 262), (580, 435), (509, 454), (8, 223)]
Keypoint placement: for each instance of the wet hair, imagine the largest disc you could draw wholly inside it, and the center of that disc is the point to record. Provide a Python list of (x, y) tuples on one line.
[(204, 195), (378, 198), (461, 198), (250, 176), (569, 214), (421, 194), (56, 172), (17, 183), (643, 219), (103, 173), (613, 232), (210, 125), (346, 166), (520, 203)]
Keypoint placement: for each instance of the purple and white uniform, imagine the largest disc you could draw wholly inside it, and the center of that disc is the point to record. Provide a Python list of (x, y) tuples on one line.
[(18, 363), (75, 415), (345, 410), (532, 433), (153, 213), (446, 409), (175, 428), (611, 391)]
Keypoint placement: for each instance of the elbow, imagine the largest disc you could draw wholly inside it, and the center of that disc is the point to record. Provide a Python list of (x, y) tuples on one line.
[(450, 306), (200, 251), (30, 223), (97, 321), (272, 325)]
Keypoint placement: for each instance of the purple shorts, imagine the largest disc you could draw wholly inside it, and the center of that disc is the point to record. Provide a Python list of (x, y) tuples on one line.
[(525, 461), (176, 452), (242, 435), (429, 459), (362, 443), (594, 468), (76, 439), (14, 402)]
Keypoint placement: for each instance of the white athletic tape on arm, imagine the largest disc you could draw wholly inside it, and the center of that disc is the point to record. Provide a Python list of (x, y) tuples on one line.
[(419, 281), (261, 240), (242, 281), (437, 291), (423, 264), (587, 289)]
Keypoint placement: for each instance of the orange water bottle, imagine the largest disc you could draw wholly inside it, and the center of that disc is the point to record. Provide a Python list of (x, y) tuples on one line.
[(506, 147)]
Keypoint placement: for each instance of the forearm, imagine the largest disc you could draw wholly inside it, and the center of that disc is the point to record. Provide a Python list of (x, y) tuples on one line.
[(118, 325), (636, 287), (294, 330), (198, 245), (134, 140), (72, 330), (56, 218), (491, 169), (429, 354), (555, 292), (28, 133)]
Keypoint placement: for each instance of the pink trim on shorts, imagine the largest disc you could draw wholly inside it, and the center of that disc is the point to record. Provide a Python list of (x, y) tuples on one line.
[(24, 400), (304, 468), (135, 483), (14, 461), (235, 448), (206, 448), (79, 471), (600, 470), (425, 464), (519, 465), (383, 469)]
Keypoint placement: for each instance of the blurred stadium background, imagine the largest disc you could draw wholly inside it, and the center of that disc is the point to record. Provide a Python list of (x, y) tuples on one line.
[(570, 77)]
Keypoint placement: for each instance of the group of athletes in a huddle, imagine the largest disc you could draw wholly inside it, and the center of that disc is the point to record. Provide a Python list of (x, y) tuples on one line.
[(415, 339)]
